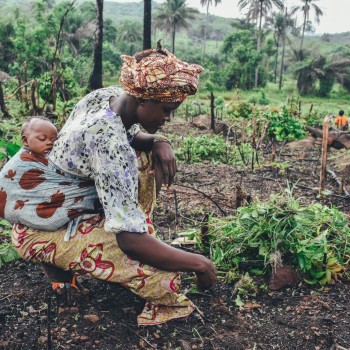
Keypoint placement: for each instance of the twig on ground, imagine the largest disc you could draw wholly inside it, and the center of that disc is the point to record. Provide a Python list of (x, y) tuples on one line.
[(205, 195), (144, 339), (339, 182), (305, 187)]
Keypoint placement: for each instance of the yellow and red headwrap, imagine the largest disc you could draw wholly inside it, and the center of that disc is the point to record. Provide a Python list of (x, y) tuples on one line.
[(159, 75)]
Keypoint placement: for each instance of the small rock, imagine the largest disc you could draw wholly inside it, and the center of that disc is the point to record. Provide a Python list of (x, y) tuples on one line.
[(156, 335), (184, 345), (92, 318), (73, 309), (282, 277), (42, 340)]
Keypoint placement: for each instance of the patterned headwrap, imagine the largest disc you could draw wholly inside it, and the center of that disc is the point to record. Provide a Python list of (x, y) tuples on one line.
[(159, 75)]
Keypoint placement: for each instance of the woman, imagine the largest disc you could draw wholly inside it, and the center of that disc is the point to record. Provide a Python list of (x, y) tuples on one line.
[(101, 141)]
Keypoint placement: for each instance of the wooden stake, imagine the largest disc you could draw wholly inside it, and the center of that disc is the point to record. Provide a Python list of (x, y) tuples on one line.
[(324, 154), (204, 232), (273, 153), (239, 196)]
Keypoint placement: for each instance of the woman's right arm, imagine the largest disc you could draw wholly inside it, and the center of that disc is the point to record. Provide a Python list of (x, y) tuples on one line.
[(151, 251)]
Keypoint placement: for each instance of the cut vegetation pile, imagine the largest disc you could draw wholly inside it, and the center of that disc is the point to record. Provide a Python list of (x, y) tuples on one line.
[(280, 231)]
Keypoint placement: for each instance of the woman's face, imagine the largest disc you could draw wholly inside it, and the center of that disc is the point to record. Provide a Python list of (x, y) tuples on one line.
[(152, 115)]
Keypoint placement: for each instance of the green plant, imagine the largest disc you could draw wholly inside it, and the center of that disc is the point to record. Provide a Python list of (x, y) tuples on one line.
[(284, 127), (210, 148), (313, 238), (7, 251)]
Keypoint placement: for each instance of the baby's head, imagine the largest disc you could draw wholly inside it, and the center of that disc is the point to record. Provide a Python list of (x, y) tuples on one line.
[(38, 135)]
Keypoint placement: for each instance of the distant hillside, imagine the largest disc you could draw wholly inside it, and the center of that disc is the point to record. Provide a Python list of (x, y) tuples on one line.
[(339, 38), (133, 11), (119, 12)]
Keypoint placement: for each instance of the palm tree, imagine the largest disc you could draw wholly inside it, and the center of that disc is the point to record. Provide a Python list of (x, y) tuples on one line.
[(173, 15), (281, 22), (130, 33), (147, 24), (259, 8), (306, 7), (95, 81), (207, 3), (325, 72)]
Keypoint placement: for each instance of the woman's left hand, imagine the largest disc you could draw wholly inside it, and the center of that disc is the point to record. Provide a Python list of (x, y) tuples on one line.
[(164, 159)]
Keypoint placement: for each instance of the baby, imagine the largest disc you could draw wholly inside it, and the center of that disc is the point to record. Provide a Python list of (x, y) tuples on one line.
[(39, 195), (38, 135)]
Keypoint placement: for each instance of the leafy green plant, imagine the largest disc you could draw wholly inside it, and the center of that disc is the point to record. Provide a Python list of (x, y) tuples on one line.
[(284, 127), (313, 238), (7, 251), (211, 148), (8, 149), (241, 110)]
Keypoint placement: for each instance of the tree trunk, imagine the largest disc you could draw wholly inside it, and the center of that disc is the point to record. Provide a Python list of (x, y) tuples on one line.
[(205, 31), (173, 39), (284, 34), (2, 103), (212, 114), (276, 59), (336, 139), (95, 81), (258, 46), (147, 24), (303, 32)]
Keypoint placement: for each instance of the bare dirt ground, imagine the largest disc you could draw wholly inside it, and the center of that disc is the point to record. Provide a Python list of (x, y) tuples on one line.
[(301, 317)]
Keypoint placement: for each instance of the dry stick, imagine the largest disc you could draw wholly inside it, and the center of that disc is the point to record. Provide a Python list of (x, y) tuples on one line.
[(239, 196), (25, 86), (339, 182), (253, 141), (273, 153), (18, 89), (324, 154), (32, 97), (176, 209), (54, 97), (38, 93), (56, 49), (60, 30), (305, 187), (205, 195), (263, 134)]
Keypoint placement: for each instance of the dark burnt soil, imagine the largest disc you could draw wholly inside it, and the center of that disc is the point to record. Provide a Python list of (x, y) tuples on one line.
[(302, 317)]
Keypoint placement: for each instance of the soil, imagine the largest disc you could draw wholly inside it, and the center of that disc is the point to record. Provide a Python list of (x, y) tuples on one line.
[(299, 317)]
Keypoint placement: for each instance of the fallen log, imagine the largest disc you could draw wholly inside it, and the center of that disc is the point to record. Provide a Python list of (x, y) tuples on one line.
[(337, 139)]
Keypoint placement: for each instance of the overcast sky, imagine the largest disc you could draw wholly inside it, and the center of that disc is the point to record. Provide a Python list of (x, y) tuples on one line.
[(336, 16)]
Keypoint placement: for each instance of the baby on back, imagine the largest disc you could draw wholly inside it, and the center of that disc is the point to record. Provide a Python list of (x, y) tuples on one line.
[(37, 193), (38, 135)]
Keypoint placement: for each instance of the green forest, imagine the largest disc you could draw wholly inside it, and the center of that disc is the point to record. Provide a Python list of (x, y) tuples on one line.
[(47, 51)]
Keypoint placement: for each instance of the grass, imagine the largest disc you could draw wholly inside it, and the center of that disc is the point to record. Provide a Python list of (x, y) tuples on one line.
[(337, 100)]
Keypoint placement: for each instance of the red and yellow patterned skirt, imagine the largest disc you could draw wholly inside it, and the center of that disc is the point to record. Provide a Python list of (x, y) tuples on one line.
[(95, 252)]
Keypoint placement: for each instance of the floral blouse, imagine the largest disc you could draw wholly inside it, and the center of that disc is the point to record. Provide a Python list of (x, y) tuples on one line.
[(94, 144)]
